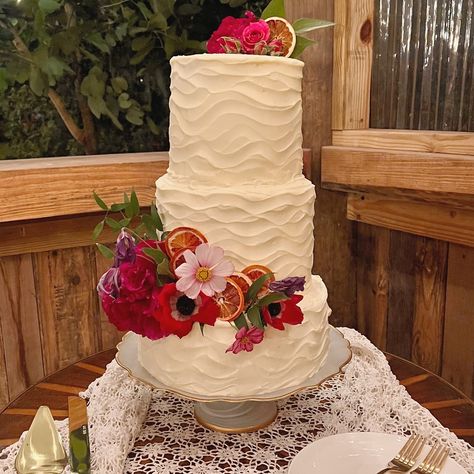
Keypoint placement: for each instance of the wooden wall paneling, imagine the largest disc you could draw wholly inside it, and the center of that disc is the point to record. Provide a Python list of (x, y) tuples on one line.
[(71, 181), (109, 335), (424, 141), (437, 221), (339, 64), (401, 297), (334, 260), (430, 298), (373, 252), (389, 169), (4, 397), (50, 234), (458, 347), (67, 305), (20, 326)]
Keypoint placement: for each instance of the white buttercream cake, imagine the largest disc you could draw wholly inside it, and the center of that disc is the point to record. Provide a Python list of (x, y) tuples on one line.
[(235, 173)]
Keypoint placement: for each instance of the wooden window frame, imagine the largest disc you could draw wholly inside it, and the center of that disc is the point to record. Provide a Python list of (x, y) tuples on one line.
[(420, 182)]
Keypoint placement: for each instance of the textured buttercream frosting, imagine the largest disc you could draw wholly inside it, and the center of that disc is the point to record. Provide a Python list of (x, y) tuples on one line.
[(199, 364), (235, 174)]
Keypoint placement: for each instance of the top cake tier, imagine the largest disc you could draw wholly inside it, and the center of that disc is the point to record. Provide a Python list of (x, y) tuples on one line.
[(235, 119)]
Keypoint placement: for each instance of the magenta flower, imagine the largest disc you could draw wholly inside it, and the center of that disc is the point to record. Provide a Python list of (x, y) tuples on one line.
[(255, 34), (205, 270), (245, 339)]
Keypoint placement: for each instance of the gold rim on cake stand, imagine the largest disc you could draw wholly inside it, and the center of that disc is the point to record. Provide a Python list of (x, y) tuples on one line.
[(237, 414)]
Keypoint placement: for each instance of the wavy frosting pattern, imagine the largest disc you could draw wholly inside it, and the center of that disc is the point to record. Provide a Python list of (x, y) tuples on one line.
[(269, 224), (198, 363), (235, 119)]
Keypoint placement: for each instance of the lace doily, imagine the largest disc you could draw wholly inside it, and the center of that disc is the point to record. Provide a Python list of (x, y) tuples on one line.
[(160, 435)]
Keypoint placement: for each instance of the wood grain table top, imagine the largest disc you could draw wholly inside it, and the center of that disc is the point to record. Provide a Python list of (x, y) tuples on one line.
[(451, 407)]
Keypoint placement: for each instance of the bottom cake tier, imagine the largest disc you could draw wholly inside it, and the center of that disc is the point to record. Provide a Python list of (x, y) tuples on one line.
[(199, 364)]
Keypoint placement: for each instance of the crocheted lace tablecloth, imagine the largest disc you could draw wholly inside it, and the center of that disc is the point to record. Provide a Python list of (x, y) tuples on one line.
[(135, 429)]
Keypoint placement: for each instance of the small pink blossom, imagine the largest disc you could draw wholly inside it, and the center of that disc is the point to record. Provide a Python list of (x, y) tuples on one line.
[(245, 339), (256, 33), (204, 270)]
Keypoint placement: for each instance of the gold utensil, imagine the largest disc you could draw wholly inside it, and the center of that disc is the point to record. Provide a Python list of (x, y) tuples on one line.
[(41, 451), (434, 461), (407, 456)]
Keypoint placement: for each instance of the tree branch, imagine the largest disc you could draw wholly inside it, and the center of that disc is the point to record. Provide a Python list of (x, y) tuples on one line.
[(66, 117)]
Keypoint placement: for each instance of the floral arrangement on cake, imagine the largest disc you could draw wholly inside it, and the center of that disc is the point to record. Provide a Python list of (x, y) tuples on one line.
[(271, 34), (162, 283)]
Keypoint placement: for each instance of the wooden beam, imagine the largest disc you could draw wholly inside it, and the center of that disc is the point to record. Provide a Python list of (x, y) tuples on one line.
[(352, 69), (46, 187), (364, 169), (457, 143), (429, 220)]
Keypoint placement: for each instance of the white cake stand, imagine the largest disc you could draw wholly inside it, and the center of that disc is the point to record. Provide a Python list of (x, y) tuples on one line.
[(237, 414)]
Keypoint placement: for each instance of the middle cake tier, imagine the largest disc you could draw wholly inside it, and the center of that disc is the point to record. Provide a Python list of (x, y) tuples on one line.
[(271, 225)]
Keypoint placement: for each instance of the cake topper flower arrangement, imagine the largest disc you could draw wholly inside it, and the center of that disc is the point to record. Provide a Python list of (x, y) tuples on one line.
[(163, 283), (270, 35)]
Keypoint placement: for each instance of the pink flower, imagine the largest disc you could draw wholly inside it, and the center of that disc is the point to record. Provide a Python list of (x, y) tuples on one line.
[(255, 34), (227, 37), (205, 270), (245, 340)]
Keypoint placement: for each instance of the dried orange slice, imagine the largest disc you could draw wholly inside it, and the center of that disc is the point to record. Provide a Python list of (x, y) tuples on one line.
[(281, 30), (256, 271), (183, 238), (177, 259), (242, 280), (231, 301)]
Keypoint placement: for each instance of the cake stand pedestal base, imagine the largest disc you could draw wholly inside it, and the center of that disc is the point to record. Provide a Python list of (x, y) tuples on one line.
[(242, 417)]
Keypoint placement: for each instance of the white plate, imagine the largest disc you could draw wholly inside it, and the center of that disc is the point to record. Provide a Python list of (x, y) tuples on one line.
[(355, 453)]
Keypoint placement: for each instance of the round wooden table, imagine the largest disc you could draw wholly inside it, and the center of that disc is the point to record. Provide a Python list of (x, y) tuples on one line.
[(451, 407)]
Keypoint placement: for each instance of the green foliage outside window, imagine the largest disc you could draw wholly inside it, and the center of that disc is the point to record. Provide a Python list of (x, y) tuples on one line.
[(92, 76)]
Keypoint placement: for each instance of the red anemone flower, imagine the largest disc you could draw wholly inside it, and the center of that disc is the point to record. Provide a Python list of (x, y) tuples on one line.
[(285, 311), (177, 313)]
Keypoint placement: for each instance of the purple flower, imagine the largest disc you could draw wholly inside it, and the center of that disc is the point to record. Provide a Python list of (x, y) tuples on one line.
[(245, 340), (124, 249), (109, 283), (288, 285)]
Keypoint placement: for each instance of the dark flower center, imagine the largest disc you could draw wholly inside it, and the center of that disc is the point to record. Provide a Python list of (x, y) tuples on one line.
[(274, 309), (185, 305)]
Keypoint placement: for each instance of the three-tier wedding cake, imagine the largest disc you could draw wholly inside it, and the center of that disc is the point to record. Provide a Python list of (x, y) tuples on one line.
[(235, 173)]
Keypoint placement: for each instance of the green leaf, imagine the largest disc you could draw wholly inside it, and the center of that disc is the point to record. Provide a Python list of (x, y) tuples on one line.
[(96, 39), (156, 217), (124, 101), (119, 84), (240, 322), (151, 125), (135, 205), (135, 115), (256, 286), (105, 251), (100, 202), (3, 80), (121, 31), (38, 81), (126, 199), (113, 224), (141, 55), (188, 9), (159, 21), (156, 254), (163, 268), (150, 226), (141, 42), (236, 3), (118, 207), (272, 298), (253, 314), (110, 40), (301, 44), (98, 230), (274, 8), (304, 25), (49, 6), (125, 222), (145, 11)]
